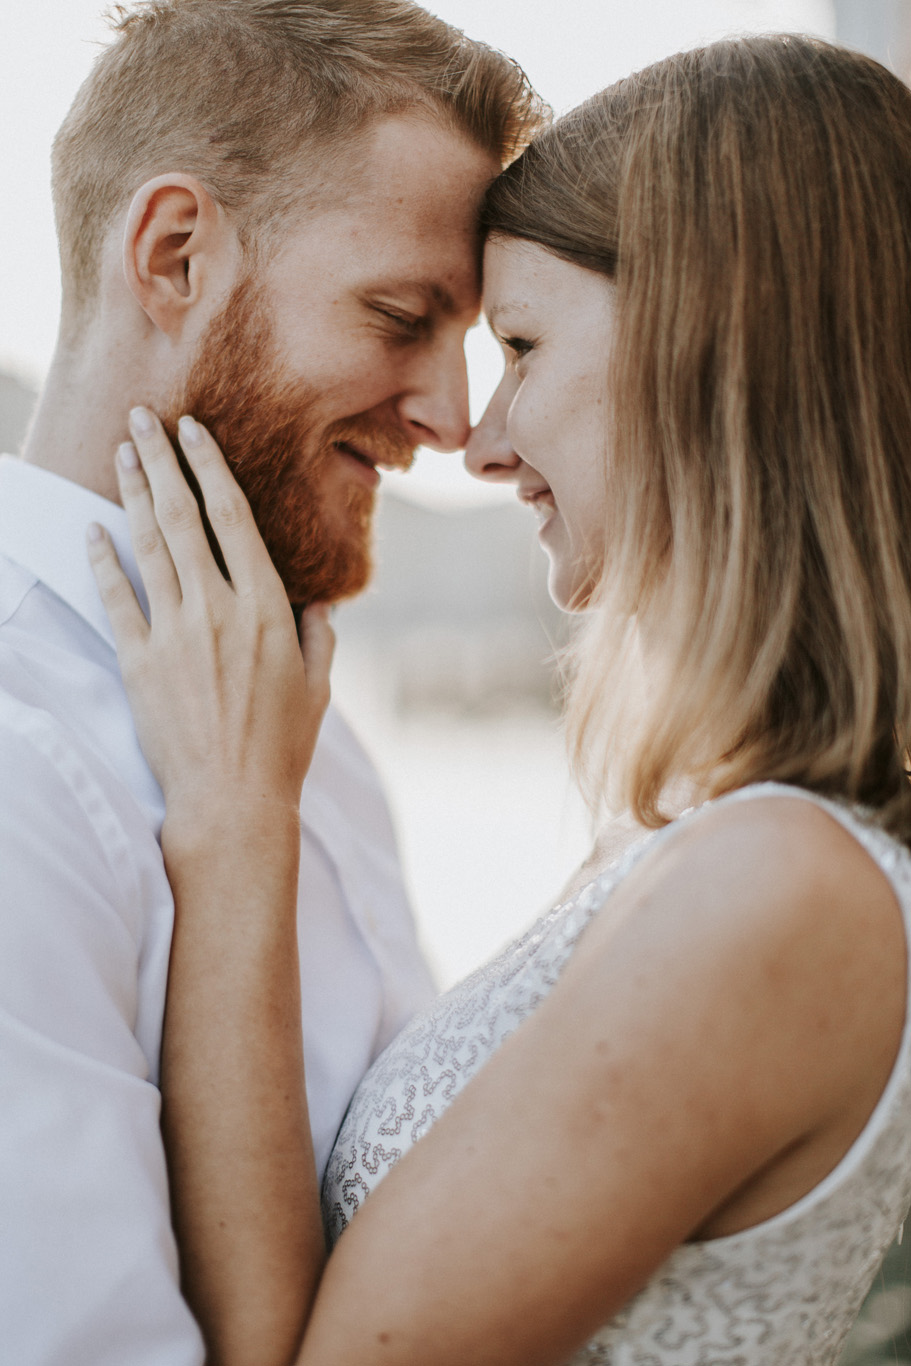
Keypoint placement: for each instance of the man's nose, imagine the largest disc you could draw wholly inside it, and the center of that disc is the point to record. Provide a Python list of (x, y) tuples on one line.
[(436, 407), (489, 453)]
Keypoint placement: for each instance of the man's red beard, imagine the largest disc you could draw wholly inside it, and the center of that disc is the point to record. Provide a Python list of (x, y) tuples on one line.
[(264, 424)]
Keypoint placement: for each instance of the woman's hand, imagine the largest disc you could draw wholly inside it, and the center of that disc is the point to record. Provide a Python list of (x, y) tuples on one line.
[(227, 703), (228, 707)]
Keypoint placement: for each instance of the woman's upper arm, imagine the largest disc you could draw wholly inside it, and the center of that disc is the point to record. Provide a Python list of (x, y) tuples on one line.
[(698, 1032)]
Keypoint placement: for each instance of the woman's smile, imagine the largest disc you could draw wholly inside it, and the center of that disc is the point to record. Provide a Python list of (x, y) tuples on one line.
[(541, 501), (545, 427)]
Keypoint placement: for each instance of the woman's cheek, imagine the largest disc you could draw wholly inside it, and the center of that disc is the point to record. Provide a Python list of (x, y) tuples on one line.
[(523, 427)]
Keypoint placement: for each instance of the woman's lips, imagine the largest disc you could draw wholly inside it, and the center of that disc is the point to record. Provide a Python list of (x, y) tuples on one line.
[(541, 502)]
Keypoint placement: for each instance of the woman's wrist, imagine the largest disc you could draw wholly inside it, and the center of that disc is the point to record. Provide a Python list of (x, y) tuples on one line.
[(258, 849), (192, 820)]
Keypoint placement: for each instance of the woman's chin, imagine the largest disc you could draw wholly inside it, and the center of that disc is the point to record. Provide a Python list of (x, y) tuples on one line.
[(569, 590)]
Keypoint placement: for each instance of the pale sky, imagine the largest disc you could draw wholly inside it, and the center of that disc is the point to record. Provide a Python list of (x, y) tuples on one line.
[(569, 49)]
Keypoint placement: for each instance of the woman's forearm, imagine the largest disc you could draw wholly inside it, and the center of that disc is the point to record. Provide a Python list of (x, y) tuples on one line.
[(235, 1123), (228, 703)]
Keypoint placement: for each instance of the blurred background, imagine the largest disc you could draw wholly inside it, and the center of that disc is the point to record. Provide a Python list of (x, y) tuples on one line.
[(445, 665)]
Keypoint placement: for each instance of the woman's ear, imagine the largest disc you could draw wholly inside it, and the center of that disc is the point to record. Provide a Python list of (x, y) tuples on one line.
[(177, 247)]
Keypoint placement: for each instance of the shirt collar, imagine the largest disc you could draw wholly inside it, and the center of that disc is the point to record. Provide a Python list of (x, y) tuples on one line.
[(43, 521)]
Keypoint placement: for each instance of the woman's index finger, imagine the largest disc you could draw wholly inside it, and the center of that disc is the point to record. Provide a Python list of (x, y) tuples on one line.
[(227, 508), (175, 511)]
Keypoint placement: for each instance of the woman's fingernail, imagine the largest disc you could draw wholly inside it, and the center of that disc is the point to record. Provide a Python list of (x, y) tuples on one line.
[(190, 432), (94, 533), (141, 421), (128, 456)]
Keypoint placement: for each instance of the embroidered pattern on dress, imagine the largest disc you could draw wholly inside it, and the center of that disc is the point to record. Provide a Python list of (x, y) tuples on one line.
[(784, 1293)]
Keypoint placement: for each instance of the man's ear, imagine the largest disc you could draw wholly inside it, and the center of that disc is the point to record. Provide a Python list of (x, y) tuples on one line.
[(177, 248)]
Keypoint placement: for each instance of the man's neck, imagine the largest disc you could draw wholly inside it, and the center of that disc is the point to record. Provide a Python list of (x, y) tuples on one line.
[(82, 415)]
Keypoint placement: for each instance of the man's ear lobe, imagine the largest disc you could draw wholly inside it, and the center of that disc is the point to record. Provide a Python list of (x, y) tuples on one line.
[(176, 249)]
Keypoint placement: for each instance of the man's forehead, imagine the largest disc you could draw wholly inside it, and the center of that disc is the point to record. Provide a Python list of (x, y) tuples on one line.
[(412, 147), (412, 173), (438, 270), (404, 192)]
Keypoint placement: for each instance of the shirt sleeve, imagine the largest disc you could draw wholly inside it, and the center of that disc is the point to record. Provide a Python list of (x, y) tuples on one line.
[(88, 1263)]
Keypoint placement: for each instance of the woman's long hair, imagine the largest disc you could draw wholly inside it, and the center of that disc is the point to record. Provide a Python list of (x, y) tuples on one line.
[(752, 202)]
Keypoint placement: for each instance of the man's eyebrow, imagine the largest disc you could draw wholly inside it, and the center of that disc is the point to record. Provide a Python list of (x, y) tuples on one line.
[(430, 291)]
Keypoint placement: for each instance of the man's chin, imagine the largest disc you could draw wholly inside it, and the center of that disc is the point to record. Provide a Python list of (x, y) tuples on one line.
[(321, 546), (342, 573)]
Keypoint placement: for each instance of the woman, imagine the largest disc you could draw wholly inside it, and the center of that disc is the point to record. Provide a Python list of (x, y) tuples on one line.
[(672, 1124)]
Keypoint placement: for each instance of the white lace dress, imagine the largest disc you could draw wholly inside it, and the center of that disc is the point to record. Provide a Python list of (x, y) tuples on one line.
[(782, 1293)]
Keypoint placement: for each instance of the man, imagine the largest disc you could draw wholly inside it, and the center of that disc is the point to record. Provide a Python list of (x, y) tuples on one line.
[(266, 214)]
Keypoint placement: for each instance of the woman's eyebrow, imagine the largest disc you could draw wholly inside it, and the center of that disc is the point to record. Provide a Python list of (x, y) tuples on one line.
[(502, 306)]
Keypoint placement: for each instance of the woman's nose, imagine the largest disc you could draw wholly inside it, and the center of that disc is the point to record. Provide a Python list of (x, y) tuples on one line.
[(489, 453)]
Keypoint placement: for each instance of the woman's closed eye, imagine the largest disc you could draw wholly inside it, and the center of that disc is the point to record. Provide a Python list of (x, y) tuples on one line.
[(518, 346)]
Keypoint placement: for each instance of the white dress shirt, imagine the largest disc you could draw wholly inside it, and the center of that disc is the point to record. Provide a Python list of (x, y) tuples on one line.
[(88, 1266)]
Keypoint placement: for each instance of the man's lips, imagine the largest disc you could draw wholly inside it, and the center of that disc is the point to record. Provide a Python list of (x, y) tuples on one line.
[(364, 456), (359, 462), (347, 449)]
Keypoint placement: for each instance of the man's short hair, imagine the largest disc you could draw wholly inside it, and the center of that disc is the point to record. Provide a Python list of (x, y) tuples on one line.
[(253, 97)]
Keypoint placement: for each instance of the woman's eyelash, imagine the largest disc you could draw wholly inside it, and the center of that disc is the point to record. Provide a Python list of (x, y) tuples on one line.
[(519, 346)]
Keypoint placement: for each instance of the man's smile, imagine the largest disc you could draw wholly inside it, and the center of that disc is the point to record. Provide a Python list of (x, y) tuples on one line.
[(367, 464), (392, 455)]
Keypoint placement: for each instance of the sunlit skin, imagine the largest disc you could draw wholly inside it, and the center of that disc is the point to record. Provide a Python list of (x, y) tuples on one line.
[(370, 292), (739, 937), (341, 352), (544, 429), (370, 302)]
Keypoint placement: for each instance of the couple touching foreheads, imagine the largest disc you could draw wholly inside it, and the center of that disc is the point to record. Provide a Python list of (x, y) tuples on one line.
[(672, 1124)]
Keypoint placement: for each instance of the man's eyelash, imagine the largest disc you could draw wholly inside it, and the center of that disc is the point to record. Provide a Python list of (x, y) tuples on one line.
[(410, 326)]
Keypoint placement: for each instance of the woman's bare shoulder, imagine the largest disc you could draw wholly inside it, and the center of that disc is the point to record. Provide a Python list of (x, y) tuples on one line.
[(785, 851), (765, 926)]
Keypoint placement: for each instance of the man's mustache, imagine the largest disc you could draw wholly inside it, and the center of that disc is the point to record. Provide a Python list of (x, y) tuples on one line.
[(385, 446)]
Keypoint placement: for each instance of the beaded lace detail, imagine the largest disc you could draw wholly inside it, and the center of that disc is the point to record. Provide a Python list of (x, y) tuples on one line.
[(783, 1292)]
